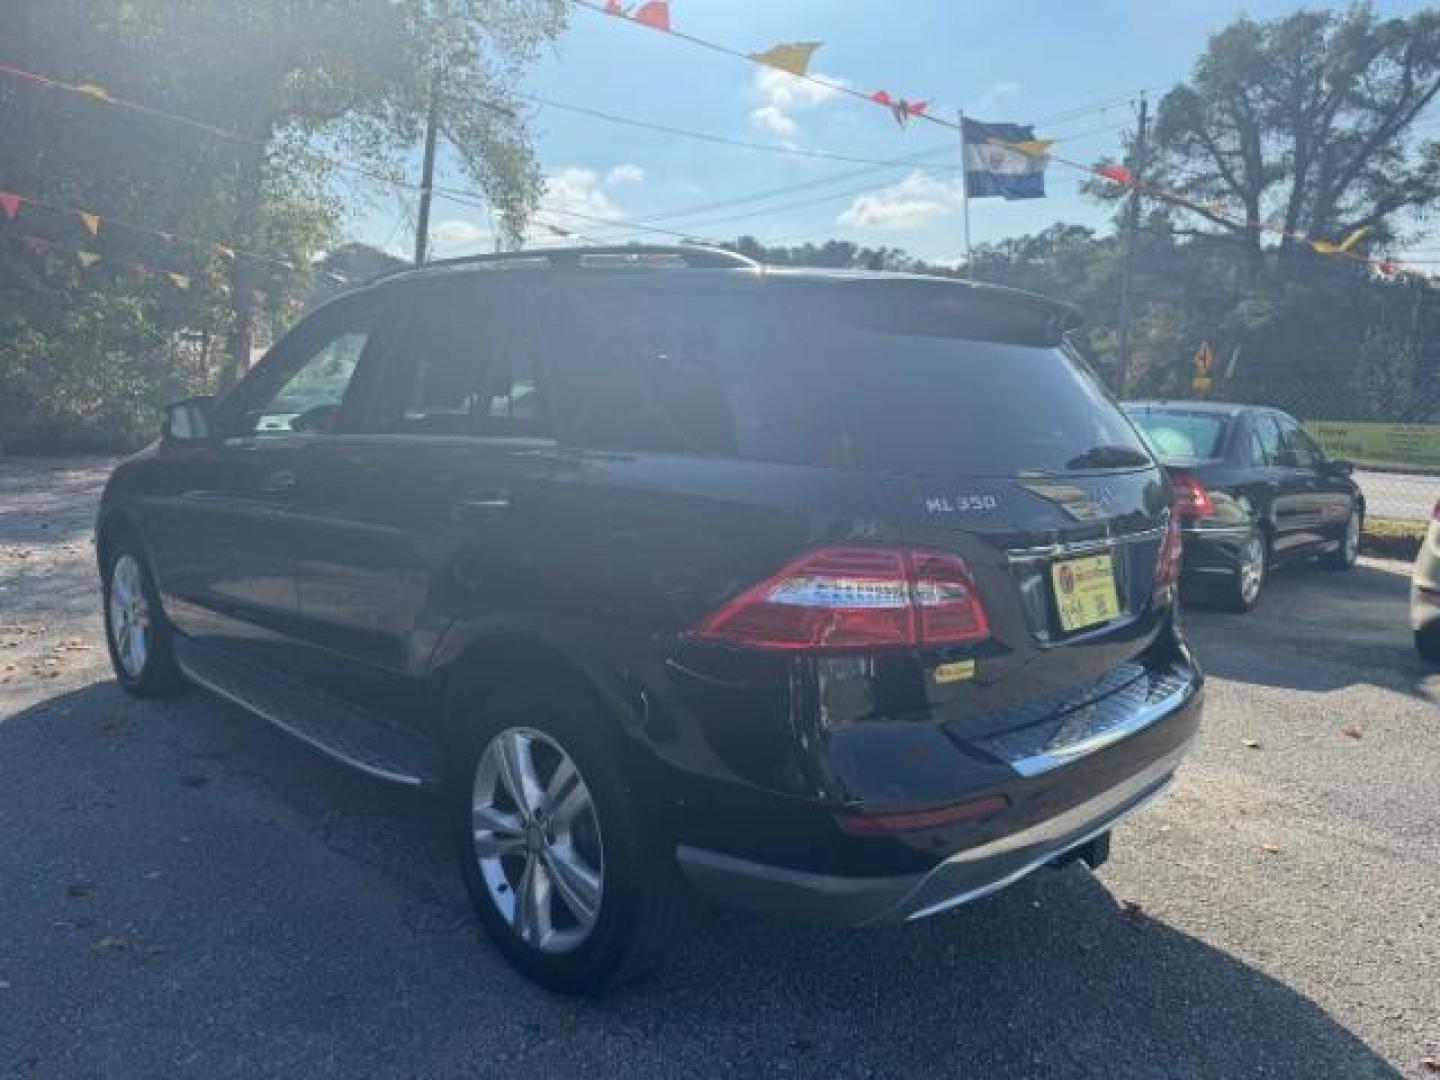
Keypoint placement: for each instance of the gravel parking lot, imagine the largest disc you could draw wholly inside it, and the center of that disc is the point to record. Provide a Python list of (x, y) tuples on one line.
[(185, 892)]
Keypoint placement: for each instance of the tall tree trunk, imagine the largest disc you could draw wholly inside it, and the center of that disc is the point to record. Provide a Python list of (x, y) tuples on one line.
[(241, 338)]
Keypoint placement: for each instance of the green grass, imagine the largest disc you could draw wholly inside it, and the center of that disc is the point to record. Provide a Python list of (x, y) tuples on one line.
[(1389, 538)]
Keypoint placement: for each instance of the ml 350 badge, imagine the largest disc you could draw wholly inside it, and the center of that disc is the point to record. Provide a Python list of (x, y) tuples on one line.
[(1085, 593)]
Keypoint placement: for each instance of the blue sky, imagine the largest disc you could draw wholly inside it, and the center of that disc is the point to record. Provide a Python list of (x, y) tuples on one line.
[(1026, 61)]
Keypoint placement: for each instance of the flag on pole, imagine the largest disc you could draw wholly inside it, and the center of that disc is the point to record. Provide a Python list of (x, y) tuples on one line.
[(791, 56), (994, 166)]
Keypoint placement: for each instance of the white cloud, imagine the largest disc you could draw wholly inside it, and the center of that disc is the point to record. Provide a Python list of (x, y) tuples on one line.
[(624, 173), (578, 191), (998, 95), (457, 232), (771, 118), (785, 94), (912, 202)]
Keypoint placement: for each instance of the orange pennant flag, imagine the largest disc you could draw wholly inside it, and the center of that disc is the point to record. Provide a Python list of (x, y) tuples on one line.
[(90, 221), (87, 258), (180, 281)]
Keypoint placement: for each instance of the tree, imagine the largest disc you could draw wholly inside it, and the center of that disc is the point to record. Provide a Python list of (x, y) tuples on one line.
[(1304, 125)]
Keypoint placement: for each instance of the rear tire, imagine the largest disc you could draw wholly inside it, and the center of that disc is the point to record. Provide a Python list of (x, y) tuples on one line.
[(139, 639), (578, 889), (1344, 556), (1427, 642), (1241, 589)]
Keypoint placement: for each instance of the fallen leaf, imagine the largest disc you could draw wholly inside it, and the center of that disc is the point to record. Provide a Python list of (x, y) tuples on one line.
[(1269, 848), (1431, 1064), (1351, 731), (1253, 744), (1129, 909)]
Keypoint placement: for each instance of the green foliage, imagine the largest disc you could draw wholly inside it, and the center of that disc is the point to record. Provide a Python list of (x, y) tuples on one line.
[(351, 77)]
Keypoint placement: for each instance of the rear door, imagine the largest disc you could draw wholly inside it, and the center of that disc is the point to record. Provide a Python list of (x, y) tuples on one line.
[(1291, 509), (420, 507), (1303, 501)]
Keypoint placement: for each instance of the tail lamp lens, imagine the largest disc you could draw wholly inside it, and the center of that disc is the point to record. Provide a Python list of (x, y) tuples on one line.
[(855, 597), (1191, 498), (1167, 564)]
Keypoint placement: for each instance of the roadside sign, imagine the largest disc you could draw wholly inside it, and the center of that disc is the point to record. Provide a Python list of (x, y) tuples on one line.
[(1204, 361)]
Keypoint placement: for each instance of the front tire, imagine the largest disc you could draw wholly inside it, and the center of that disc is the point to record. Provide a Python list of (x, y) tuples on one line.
[(1344, 556), (567, 872), (138, 638), (1241, 590)]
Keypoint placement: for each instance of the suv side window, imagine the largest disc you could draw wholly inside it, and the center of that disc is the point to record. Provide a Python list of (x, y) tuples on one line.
[(313, 381), (1266, 434), (466, 364)]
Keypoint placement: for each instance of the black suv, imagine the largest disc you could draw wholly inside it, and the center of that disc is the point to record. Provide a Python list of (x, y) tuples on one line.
[(843, 597)]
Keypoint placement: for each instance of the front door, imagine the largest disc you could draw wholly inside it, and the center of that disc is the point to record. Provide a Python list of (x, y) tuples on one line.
[(226, 541)]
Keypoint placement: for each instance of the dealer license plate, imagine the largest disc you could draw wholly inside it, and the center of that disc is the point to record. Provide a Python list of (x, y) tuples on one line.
[(1085, 591)]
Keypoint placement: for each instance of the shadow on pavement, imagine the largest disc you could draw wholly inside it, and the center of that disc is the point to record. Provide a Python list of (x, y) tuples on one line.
[(1317, 630), (187, 892)]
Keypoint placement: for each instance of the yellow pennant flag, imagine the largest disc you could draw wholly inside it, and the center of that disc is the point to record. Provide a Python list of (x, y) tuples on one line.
[(791, 56), (90, 221), (180, 281), (94, 91), (1327, 248), (1033, 147), (87, 258)]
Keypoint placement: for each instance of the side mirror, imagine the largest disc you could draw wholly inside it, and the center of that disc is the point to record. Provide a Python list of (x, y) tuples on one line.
[(1286, 459), (1339, 467), (190, 420)]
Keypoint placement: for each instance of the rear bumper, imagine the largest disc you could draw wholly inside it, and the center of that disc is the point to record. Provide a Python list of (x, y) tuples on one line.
[(965, 876), (1107, 786)]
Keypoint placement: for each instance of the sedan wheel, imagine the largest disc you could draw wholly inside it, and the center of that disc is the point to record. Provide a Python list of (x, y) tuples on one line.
[(1241, 590), (140, 641), (129, 617), (537, 840)]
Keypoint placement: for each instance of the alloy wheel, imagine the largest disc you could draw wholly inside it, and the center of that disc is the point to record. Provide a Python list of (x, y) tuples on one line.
[(1252, 568), (1352, 539), (537, 840), (129, 616)]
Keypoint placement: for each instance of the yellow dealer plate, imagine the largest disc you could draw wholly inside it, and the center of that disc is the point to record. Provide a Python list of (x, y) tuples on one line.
[(1085, 591)]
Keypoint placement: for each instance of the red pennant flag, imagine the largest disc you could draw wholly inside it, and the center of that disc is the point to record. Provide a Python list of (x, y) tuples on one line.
[(612, 7), (10, 203), (882, 98), (899, 108), (654, 14), (1118, 173)]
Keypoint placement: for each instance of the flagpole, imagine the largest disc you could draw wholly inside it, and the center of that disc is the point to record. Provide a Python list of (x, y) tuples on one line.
[(965, 195)]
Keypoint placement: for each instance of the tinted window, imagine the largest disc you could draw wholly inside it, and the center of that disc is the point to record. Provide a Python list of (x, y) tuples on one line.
[(786, 374), (1268, 435), (1303, 453), (466, 363), (320, 359), (1176, 434)]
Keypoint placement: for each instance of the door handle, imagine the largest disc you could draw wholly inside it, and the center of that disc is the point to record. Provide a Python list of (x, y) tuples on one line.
[(278, 483), (481, 506)]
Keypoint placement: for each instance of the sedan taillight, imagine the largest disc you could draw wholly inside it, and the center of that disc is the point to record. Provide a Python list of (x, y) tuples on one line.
[(1167, 564), (1191, 498), (854, 598)]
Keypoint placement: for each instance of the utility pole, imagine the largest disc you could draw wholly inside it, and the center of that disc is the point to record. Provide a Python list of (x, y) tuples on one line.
[(427, 172), (965, 199), (1132, 224)]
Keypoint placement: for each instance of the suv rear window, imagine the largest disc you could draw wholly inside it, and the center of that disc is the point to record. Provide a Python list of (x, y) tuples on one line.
[(1175, 434), (803, 376)]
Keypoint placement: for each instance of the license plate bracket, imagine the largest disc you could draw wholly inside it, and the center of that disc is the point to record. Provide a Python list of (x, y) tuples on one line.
[(1085, 591)]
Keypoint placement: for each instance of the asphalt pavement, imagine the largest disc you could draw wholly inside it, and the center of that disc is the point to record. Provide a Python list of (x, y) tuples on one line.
[(185, 892), (1402, 496)]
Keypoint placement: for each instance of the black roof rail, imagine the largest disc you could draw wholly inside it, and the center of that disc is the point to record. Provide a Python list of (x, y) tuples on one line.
[(598, 255)]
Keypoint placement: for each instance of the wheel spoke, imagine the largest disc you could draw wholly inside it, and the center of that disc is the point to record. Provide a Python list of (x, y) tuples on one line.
[(577, 885), (532, 904), (517, 771), (562, 781), (496, 833)]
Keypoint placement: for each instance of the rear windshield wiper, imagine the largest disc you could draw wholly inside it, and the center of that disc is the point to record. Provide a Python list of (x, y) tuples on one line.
[(1108, 457)]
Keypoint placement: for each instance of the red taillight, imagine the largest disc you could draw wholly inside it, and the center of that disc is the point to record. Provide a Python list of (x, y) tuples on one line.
[(1191, 498), (856, 597), (1167, 563)]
